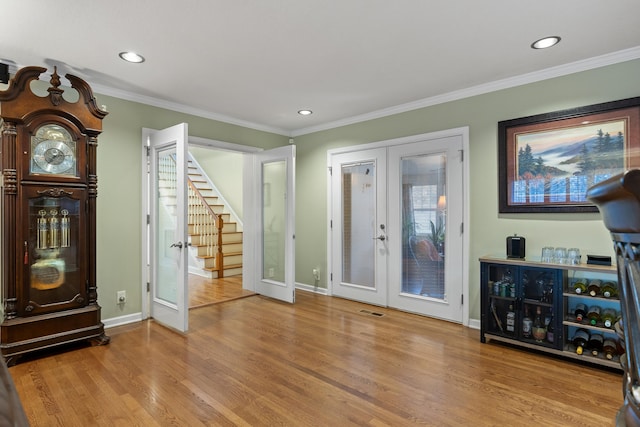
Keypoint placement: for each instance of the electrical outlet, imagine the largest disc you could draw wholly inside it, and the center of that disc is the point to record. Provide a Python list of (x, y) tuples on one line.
[(121, 297)]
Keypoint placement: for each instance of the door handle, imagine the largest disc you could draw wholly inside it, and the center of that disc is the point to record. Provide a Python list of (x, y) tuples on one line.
[(176, 245), (380, 237)]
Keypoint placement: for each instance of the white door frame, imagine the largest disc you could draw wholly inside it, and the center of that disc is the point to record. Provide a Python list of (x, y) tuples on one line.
[(462, 132), (145, 255)]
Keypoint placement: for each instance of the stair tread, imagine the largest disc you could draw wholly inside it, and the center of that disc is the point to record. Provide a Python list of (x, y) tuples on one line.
[(226, 267)]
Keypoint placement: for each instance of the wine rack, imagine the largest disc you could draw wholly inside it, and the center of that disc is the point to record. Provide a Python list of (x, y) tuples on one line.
[(518, 288)]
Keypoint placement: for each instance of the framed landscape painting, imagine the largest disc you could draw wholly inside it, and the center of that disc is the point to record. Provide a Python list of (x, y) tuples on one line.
[(548, 162)]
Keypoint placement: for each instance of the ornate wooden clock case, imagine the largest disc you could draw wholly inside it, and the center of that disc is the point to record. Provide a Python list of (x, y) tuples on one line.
[(49, 190)]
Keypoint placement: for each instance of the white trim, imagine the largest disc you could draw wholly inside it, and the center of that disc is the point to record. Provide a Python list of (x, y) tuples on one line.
[(122, 320), (460, 131), (474, 324), (197, 141), (311, 288), (466, 221), (536, 76), (181, 108), (146, 276)]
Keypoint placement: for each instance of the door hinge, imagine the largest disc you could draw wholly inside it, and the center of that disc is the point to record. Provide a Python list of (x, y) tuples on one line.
[(331, 277), (330, 223), (461, 155), (148, 150), (148, 286), (148, 219), (462, 299), (462, 228), (331, 170)]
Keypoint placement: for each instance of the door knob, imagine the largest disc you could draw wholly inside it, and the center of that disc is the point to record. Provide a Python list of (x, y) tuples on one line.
[(176, 245), (380, 237)]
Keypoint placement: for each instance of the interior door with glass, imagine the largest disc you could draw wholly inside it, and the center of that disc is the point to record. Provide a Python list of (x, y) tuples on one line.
[(168, 226), (426, 210), (359, 238), (269, 226)]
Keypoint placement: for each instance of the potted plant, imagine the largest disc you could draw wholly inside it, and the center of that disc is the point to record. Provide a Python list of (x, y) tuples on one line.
[(437, 234)]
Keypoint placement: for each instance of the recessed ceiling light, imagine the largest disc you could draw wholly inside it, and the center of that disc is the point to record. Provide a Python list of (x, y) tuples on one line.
[(545, 42), (305, 112), (131, 57)]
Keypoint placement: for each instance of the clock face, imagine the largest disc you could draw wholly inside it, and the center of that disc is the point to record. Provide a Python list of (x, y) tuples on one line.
[(53, 151)]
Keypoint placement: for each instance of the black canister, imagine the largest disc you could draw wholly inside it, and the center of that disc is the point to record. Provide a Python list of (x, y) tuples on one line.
[(515, 246)]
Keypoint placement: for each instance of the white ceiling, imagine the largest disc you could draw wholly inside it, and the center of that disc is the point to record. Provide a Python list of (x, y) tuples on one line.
[(257, 62)]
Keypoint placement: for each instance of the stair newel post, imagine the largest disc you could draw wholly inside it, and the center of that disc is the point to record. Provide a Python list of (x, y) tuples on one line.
[(219, 257)]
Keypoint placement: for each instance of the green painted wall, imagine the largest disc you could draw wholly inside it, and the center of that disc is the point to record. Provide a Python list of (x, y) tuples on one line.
[(481, 114), (224, 169)]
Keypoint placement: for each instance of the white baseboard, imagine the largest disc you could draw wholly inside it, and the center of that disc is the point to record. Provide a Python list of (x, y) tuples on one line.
[(474, 323), (122, 320), (310, 288)]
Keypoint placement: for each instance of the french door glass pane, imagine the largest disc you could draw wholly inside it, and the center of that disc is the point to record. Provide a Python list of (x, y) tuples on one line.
[(358, 224), (274, 178), (166, 256), (424, 210)]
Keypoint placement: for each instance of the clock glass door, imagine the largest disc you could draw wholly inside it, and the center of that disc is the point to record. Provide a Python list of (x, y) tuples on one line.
[(54, 271)]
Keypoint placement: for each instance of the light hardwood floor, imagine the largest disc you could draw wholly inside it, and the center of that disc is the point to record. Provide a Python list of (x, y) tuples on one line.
[(203, 291), (321, 362)]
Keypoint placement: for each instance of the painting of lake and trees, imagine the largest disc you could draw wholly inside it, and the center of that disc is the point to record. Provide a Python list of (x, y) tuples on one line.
[(557, 166)]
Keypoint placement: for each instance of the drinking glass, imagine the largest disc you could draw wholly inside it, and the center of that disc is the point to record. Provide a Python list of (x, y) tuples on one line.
[(573, 256), (560, 255), (547, 254)]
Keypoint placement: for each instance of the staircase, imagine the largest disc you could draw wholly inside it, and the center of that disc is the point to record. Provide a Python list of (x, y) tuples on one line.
[(214, 233)]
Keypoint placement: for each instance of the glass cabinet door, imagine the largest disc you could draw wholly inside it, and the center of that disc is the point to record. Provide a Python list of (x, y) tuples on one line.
[(54, 252), (502, 316), (541, 291), (520, 303)]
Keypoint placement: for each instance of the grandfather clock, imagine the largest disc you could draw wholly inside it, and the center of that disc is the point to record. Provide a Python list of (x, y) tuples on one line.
[(49, 190)]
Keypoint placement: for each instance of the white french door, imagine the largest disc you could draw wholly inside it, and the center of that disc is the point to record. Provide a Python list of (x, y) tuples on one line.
[(168, 226), (269, 227), (396, 237), (358, 210)]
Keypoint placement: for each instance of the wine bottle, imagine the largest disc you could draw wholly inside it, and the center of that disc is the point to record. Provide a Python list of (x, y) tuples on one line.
[(594, 314), (610, 348), (538, 331), (609, 316), (550, 329), (511, 319), (595, 343), (609, 290), (580, 339), (580, 311), (579, 287), (594, 287), (526, 323)]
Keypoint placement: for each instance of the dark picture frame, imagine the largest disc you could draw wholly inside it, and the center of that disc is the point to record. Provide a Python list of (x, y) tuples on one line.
[(548, 161)]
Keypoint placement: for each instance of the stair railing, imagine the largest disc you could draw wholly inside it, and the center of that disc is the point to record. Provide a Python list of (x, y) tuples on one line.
[(206, 225), (204, 222)]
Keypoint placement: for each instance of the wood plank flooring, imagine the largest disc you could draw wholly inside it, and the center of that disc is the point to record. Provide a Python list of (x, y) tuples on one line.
[(321, 362), (203, 291)]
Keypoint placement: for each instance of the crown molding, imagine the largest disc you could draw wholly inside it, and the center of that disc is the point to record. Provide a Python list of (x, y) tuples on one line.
[(549, 73), (558, 71), (181, 108)]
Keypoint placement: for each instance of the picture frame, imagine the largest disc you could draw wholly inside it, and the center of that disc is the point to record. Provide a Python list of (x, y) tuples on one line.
[(547, 162)]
